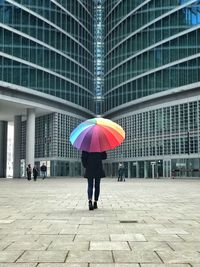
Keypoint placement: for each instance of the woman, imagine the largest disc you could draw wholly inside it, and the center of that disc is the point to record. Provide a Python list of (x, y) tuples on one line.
[(35, 173), (120, 172), (92, 162), (28, 172)]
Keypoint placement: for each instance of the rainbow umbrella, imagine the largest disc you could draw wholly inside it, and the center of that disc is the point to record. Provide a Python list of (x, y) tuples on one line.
[(97, 135)]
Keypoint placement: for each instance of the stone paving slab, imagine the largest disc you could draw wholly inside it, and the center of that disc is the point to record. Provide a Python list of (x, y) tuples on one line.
[(24, 238), (188, 246), (140, 223), (109, 245), (166, 265), (171, 231), (43, 256), (53, 238), (136, 257), (62, 265), (31, 245), (18, 264), (115, 265), (92, 237), (150, 246), (157, 238), (10, 256), (89, 256), (65, 245), (192, 237), (180, 257), (127, 237)]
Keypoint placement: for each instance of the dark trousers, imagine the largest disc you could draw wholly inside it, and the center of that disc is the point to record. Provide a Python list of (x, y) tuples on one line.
[(91, 184), (120, 175), (43, 174)]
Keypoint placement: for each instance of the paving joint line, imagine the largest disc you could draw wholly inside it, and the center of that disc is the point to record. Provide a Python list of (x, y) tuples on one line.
[(48, 245), (8, 246), (181, 237), (159, 256), (66, 256), (190, 264), (129, 245), (169, 246), (74, 237), (113, 258), (20, 255)]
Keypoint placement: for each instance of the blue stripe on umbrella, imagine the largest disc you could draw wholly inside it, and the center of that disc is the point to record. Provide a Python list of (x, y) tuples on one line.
[(79, 129)]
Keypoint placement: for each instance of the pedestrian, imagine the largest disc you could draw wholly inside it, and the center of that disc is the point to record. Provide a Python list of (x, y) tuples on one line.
[(92, 162), (35, 173), (120, 172), (43, 170), (29, 171)]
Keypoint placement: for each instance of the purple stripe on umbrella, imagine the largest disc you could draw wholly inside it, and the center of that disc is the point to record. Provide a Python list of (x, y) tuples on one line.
[(86, 135)]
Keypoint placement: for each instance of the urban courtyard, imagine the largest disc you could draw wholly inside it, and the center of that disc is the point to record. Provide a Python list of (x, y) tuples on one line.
[(140, 222)]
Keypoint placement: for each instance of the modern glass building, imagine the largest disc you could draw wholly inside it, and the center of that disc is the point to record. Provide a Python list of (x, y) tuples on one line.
[(152, 85), (47, 64), (136, 62)]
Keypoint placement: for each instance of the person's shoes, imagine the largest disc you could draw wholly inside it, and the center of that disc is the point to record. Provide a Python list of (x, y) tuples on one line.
[(95, 205), (90, 205)]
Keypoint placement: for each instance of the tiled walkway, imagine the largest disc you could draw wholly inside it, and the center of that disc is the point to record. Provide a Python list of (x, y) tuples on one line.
[(139, 223)]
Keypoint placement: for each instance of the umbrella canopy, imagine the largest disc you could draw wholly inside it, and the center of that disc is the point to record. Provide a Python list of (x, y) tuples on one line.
[(97, 135)]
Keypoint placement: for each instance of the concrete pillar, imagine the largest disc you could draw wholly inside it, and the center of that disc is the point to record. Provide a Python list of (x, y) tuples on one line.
[(17, 147), (30, 137), (137, 170), (129, 169), (145, 170), (3, 148)]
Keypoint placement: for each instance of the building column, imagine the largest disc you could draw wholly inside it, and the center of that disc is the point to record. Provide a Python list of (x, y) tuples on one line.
[(71, 169), (145, 170), (129, 169), (137, 170), (17, 147), (30, 137), (3, 148)]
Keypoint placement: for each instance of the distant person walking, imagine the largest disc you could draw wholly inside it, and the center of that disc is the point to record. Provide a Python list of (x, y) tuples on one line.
[(43, 170), (120, 172), (92, 162), (28, 172), (35, 173)]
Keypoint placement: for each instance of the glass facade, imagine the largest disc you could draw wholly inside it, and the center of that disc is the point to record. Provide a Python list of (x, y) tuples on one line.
[(51, 144), (98, 55), (153, 134), (150, 46), (45, 44), (162, 131)]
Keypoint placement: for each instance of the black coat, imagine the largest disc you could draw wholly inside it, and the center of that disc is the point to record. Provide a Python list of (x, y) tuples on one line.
[(92, 162), (35, 172)]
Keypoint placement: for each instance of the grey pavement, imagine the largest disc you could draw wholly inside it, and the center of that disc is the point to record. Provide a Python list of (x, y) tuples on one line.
[(139, 223)]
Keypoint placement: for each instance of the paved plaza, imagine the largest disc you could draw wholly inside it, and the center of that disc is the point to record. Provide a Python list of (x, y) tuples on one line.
[(139, 223)]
